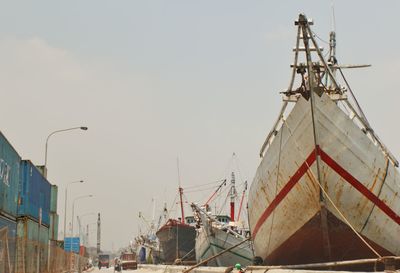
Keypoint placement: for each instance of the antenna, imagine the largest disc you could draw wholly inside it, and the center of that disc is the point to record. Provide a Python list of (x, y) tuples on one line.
[(333, 16), (179, 175)]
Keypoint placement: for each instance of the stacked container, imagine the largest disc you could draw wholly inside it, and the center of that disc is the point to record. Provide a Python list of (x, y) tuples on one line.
[(34, 196), (10, 238), (9, 177), (9, 183), (32, 245), (53, 229)]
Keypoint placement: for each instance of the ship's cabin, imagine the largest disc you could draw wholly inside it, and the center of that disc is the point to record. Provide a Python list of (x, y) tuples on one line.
[(223, 218), (190, 220)]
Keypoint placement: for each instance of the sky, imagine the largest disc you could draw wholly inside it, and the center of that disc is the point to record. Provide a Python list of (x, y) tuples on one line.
[(159, 80)]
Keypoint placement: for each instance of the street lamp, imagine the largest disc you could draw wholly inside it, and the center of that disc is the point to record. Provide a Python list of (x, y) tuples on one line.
[(73, 208), (59, 131), (65, 208)]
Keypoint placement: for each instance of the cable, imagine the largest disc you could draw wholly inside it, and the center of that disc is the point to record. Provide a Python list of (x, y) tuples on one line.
[(276, 186), (322, 40)]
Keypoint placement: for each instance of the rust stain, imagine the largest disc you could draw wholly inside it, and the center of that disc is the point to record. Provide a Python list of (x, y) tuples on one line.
[(339, 190), (375, 180)]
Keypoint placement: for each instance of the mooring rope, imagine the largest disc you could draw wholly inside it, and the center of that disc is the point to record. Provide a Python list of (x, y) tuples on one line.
[(328, 197), (276, 185)]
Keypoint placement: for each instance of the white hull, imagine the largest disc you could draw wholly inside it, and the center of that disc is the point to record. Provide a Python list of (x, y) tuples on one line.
[(215, 241), (357, 176)]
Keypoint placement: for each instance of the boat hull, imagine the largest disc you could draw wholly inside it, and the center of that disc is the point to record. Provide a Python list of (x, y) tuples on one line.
[(320, 171), (216, 241), (177, 241)]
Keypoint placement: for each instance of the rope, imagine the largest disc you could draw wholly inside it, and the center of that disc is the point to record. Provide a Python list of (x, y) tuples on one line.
[(205, 184), (355, 100), (276, 186), (330, 200), (322, 40)]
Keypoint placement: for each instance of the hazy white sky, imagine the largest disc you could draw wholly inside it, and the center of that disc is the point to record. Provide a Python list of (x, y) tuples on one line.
[(154, 80)]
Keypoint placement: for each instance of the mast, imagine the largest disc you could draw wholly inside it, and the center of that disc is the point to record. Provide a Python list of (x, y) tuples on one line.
[(241, 200), (180, 192), (215, 192), (233, 194), (180, 196)]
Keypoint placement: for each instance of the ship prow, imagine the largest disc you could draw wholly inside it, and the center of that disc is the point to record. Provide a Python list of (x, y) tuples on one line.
[(327, 189)]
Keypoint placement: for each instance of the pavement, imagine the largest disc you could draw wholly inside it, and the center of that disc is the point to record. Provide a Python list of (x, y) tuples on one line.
[(111, 270)]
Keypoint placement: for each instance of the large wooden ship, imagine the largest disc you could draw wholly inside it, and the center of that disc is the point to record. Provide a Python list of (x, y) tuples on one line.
[(327, 189), (177, 239)]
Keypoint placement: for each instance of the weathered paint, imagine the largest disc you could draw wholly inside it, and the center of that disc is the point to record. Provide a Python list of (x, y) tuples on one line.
[(53, 228), (355, 173), (12, 234), (35, 193), (177, 240), (208, 245), (53, 198), (32, 240), (9, 177)]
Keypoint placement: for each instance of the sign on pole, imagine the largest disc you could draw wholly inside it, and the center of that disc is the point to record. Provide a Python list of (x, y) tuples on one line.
[(71, 244)]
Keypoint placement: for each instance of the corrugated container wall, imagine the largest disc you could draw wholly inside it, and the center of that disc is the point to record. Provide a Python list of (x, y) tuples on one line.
[(11, 234), (53, 229), (53, 198), (9, 177), (35, 193), (30, 236)]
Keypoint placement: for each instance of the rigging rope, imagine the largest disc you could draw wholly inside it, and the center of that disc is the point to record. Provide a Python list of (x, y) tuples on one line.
[(355, 100), (276, 186), (328, 197), (322, 40)]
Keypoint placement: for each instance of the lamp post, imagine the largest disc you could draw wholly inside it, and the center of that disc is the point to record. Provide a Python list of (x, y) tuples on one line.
[(55, 132), (65, 208), (73, 208)]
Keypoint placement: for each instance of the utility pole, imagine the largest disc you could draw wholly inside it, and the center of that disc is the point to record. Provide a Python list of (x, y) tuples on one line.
[(98, 234)]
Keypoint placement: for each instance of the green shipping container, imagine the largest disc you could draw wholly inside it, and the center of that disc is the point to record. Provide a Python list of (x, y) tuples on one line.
[(53, 230), (53, 198), (32, 245)]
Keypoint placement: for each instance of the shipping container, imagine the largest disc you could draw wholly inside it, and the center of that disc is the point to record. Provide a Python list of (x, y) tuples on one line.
[(32, 245), (53, 228), (34, 196), (82, 251), (53, 198), (9, 177), (11, 240)]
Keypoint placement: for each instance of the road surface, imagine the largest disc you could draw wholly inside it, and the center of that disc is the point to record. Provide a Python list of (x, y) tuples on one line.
[(111, 270)]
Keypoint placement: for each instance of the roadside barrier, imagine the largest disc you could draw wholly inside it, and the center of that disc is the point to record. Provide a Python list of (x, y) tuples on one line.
[(20, 255)]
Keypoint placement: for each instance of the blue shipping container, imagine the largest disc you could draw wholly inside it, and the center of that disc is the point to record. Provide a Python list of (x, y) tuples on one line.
[(34, 194), (11, 234), (9, 177)]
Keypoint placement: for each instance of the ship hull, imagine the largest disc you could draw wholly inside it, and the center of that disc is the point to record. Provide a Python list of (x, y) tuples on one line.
[(177, 241), (294, 221), (211, 243)]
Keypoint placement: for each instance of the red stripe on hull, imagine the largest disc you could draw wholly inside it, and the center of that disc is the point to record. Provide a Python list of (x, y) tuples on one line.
[(339, 170), (285, 190), (359, 186), (306, 245)]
